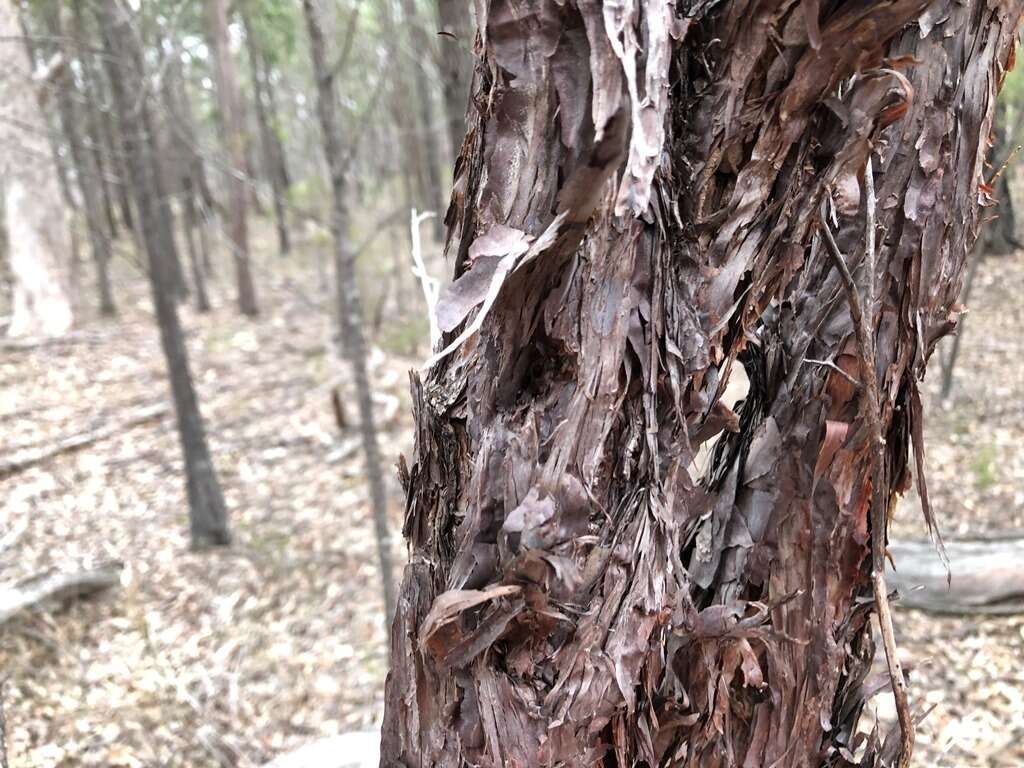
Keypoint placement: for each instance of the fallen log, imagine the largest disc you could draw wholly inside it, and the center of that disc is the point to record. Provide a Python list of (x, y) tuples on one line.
[(985, 577), (34, 457), (55, 587)]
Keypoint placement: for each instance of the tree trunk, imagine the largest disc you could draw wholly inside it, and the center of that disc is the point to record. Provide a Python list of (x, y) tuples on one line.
[(273, 152), (88, 176), (233, 126), (456, 65), (425, 135), (207, 513), (185, 160), (195, 258), (350, 317), (643, 204), (93, 129), (39, 240)]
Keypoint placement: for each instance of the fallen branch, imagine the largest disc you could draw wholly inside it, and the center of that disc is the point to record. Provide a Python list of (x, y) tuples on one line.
[(871, 409), (56, 587), (29, 343), (985, 577), (80, 440)]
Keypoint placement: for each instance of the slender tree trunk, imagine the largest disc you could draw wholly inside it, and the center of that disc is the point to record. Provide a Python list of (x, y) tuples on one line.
[(207, 513), (235, 148), (274, 116), (269, 142), (35, 217), (194, 256), (456, 65), (90, 182), (350, 318), (425, 135), (576, 594), (185, 160), (93, 130)]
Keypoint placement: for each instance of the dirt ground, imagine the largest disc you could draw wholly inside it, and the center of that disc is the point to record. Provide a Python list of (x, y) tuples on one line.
[(230, 657)]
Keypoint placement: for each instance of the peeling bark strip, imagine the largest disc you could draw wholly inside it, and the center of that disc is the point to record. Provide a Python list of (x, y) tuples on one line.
[(638, 208)]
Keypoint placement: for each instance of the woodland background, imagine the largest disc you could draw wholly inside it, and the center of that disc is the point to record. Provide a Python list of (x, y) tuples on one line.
[(231, 656)]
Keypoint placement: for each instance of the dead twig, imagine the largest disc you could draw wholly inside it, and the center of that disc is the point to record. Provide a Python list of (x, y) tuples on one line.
[(56, 587), (80, 440), (872, 409), (833, 367), (431, 287)]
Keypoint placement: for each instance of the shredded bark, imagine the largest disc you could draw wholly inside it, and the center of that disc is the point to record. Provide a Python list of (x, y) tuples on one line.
[(636, 211)]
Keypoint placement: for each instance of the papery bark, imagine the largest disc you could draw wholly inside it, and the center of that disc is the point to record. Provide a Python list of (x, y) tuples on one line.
[(639, 210)]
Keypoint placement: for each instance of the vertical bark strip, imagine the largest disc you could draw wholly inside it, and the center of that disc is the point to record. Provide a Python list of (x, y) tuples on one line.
[(639, 208)]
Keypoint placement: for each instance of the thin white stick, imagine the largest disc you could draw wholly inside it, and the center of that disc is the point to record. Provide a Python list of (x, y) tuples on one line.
[(430, 285)]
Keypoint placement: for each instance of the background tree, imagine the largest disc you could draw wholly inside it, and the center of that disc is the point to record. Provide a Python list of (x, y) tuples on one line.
[(259, 17), (230, 110), (646, 201), (88, 177), (38, 240), (124, 63), (349, 304), (455, 62)]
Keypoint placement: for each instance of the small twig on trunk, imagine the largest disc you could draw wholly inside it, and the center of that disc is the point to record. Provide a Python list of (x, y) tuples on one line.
[(871, 409), (833, 367)]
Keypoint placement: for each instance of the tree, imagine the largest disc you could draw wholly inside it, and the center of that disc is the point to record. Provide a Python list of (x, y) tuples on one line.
[(87, 172), (274, 165), (187, 165), (124, 64), (429, 172), (349, 309), (455, 64), (39, 242), (235, 147), (649, 198)]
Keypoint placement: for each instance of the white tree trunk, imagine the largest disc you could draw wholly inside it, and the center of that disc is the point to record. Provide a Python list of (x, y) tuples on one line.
[(36, 220)]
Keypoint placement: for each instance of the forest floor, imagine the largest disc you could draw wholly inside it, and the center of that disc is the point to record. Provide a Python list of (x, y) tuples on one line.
[(227, 658)]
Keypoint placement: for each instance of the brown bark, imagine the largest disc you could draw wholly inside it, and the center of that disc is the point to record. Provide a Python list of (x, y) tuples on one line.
[(233, 124), (640, 206), (349, 309)]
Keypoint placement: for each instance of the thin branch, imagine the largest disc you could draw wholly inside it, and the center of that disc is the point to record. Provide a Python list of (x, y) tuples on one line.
[(832, 366), (871, 409), (429, 284)]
